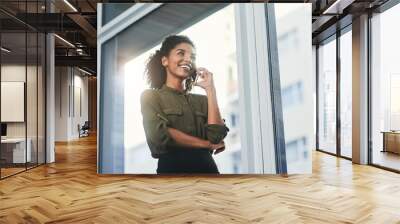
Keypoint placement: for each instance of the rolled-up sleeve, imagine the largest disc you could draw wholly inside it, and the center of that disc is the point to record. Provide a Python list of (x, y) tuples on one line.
[(216, 132), (155, 124)]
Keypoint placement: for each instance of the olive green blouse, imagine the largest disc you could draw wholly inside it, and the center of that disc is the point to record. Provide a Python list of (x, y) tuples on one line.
[(167, 107)]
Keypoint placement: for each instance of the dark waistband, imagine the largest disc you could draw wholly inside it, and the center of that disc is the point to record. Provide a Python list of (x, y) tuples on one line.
[(185, 151)]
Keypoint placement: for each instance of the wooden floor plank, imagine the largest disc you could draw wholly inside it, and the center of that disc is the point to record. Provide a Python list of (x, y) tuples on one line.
[(70, 191)]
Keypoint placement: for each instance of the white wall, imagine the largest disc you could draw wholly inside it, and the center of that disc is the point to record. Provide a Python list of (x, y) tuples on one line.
[(71, 87), (79, 117), (61, 103), (16, 73)]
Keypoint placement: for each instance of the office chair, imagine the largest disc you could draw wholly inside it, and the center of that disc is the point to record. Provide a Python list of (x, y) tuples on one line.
[(84, 130)]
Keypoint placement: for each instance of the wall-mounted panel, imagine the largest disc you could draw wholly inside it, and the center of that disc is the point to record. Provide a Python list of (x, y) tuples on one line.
[(12, 101)]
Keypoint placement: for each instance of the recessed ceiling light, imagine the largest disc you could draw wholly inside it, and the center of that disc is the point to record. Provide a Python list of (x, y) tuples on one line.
[(70, 5), (86, 72), (338, 6), (64, 40)]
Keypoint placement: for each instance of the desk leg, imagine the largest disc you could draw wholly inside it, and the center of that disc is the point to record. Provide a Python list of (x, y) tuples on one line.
[(384, 142)]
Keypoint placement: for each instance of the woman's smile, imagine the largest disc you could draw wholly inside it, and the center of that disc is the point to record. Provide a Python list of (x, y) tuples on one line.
[(186, 67)]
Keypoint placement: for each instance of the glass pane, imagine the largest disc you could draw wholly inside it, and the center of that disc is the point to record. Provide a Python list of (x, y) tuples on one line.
[(111, 111), (327, 96), (224, 66), (346, 94), (137, 154), (31, 88), (386, 89), (31, 100), (110, 11), (13, 87), (297, 83)]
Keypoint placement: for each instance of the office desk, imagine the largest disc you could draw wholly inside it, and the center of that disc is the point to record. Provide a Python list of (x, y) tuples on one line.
[(391, 141), (13, 150)]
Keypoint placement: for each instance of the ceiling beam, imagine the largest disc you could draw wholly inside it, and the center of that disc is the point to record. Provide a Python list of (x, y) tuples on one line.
[(84, 24), (83, 61), (80, 20), (320, 22), (337, 7)]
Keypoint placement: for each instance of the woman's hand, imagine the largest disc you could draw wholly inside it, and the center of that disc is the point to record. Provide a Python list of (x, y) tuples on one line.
[(217, 147), (207, 82)]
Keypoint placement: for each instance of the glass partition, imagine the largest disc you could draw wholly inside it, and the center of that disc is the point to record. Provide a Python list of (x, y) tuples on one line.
[(327, 96), (22, 92), (14, 151), (346, 93), (31, 99), (385, 85)]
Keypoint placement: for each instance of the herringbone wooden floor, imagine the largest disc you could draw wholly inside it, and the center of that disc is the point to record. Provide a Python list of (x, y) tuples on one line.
[(70, 191)]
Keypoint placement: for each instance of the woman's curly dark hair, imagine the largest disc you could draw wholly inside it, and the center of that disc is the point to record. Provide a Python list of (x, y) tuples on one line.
[(155, 72)]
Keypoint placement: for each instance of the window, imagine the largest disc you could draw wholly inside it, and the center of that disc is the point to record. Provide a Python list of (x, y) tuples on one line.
[(137, 155), (110, 11), (346, 94), (292, 95), (296, 150), (385, 84), (233, 120), (327, 96)]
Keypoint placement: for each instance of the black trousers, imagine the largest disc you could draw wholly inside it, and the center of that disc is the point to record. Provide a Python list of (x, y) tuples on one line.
[(187, 161)]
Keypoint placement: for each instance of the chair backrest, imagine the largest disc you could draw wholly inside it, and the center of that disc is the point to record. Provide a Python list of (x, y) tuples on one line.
[(86, 125)]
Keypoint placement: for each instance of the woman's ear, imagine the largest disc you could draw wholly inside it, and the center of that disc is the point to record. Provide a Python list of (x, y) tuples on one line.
[(164, 61)]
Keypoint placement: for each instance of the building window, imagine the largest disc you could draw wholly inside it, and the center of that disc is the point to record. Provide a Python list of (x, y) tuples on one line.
[(296, 150), (327, 96), (385, 89), (292, 95)]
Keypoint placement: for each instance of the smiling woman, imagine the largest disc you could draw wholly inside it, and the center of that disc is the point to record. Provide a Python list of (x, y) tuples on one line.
[(182, 130), (180, 114)]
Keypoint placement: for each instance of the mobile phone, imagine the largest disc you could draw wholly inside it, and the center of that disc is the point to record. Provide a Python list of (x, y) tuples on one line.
[(193, 73)]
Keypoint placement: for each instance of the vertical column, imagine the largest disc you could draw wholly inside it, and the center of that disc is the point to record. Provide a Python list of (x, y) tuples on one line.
[(360, 90), (338, 97), (50, 99), (50, 93), (275, 84)]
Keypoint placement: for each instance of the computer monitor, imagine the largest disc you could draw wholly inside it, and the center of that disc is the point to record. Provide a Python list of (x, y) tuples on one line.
[(3, 129)]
